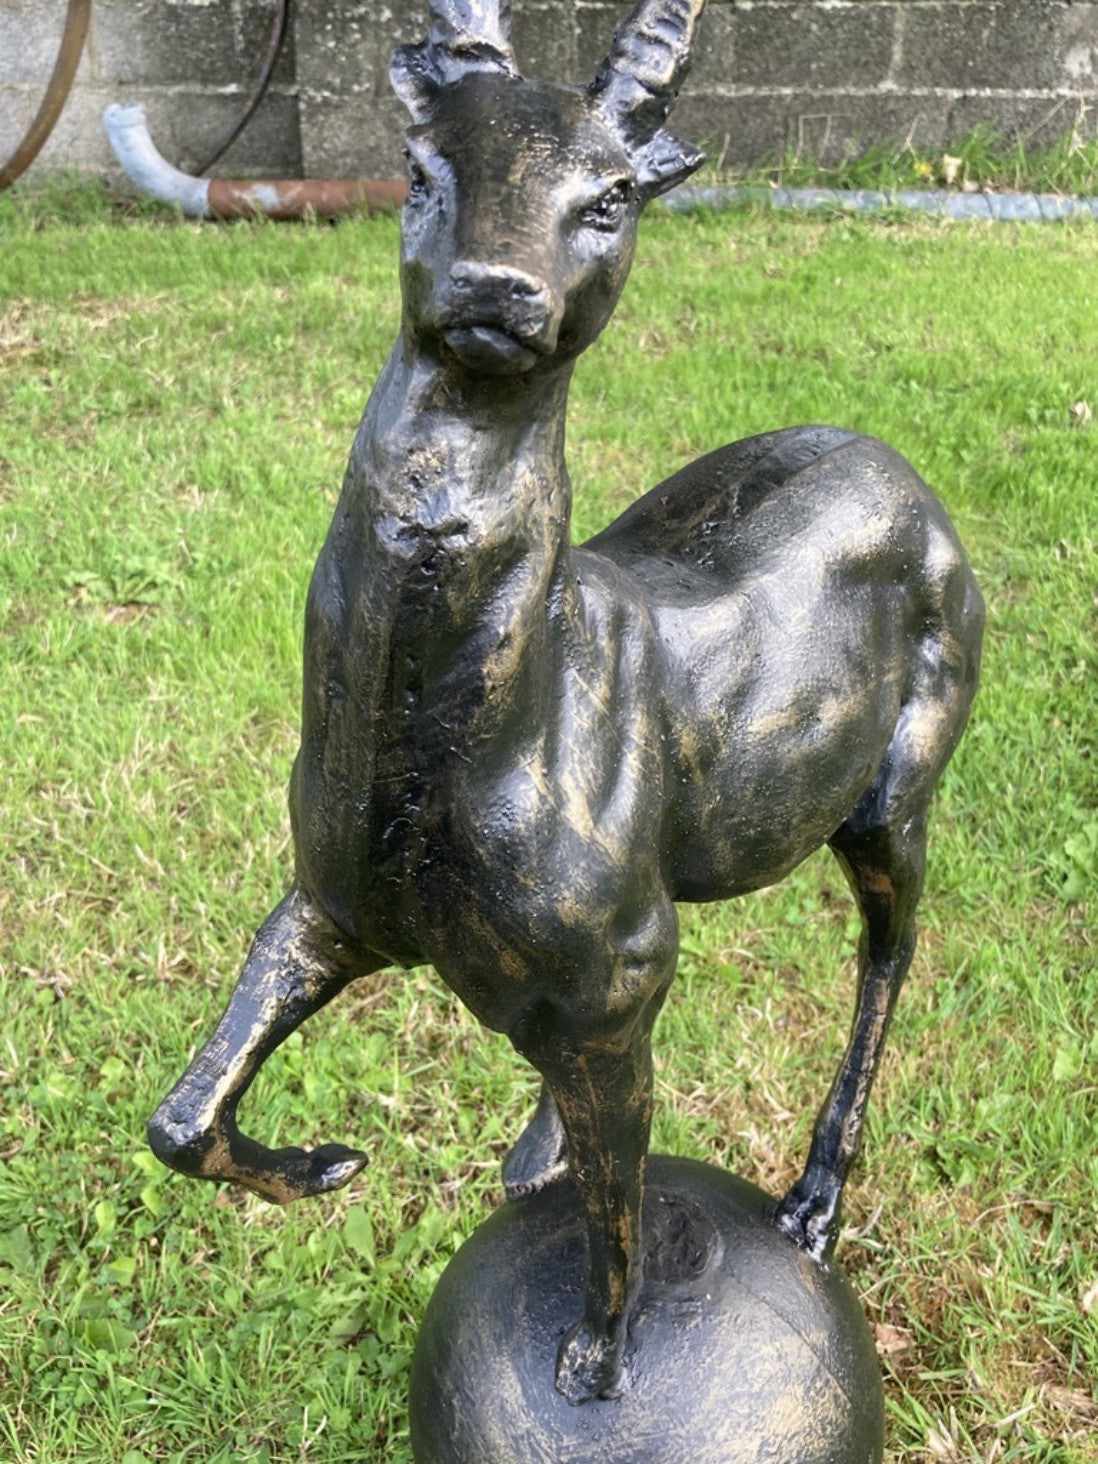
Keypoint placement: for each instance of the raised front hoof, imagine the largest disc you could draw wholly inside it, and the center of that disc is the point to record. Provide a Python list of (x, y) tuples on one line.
[(527, 1172), (811, 1220), (331, 1167), (588, 1367), (278, 1175), (285, 1175)]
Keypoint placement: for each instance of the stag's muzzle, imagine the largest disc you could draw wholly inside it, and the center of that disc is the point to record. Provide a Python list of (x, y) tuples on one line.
[(497, 319)]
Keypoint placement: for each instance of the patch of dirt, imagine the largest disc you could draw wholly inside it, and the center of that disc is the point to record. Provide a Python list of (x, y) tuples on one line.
[(124, 614), (17, 338)]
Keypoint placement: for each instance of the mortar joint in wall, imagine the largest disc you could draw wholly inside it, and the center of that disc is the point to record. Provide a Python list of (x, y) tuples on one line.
[(1061, 94), (93, 55), (899, 36), (238, 30)]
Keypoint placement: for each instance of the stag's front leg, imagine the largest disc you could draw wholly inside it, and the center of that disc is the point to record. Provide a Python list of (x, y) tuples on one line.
[(603, 1091), (297, 963), (605, 1101)]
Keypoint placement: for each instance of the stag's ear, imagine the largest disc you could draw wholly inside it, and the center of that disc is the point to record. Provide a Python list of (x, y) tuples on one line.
[(665, 162), (415, 78)]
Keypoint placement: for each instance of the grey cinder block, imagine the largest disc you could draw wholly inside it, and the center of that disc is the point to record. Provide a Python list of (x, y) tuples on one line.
[(1005, 46), (807, 45), (143, 43)]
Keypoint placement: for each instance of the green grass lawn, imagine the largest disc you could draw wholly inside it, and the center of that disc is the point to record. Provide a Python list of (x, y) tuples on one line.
[(176, 404)]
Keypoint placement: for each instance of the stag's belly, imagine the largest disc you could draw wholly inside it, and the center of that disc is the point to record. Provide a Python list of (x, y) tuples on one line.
[(781, 700), (760, 785)]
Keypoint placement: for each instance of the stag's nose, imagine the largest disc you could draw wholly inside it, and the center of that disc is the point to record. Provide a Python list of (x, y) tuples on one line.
[(499, 319), (504, 279)]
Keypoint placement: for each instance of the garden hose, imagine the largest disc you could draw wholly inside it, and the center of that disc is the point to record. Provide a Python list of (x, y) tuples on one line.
[(275, 43)]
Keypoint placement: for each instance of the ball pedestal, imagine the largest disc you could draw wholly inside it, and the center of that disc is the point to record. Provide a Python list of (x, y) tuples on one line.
[(741, 1350)]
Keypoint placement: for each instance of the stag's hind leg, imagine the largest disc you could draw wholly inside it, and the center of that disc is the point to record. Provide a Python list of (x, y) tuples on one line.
[(882, 848), (297, 963)]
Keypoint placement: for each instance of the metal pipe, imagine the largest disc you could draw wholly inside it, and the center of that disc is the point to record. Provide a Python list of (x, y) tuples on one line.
[(223, 198), (294, 198), (229, 198), (1002, 207), (57, 93)]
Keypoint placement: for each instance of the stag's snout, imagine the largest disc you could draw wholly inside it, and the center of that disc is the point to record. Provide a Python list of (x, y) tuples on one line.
[(498, 319)]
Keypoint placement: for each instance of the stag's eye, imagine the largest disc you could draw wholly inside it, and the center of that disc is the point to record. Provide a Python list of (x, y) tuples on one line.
[(608, 211), (419, 185)]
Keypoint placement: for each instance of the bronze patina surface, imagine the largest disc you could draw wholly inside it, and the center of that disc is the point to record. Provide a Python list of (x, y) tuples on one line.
[(518, 754), (741, 1348)]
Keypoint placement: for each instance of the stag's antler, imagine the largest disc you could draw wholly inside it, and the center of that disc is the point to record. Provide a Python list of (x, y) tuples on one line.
[(637, 84), (648, 61), (466, 35), (473, 32)]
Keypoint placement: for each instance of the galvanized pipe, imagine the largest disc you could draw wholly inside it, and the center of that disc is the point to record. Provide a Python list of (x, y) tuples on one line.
[(57, 93), (229, 198), (999, 207)]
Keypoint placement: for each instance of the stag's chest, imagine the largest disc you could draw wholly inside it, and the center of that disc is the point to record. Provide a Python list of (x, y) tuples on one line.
[(499, 782)]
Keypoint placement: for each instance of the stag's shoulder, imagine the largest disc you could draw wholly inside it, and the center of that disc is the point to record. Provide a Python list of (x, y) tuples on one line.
[(727, 489), (737, 506)]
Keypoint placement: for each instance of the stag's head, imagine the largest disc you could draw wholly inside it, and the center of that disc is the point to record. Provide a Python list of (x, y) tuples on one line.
[(524, 197)]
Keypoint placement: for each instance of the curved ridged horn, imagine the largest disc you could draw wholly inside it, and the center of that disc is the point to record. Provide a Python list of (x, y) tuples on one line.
[(473, 30), (648, 62)]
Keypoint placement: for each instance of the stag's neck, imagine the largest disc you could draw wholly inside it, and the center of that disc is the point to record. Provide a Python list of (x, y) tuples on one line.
[(466, 459), (453, 541)]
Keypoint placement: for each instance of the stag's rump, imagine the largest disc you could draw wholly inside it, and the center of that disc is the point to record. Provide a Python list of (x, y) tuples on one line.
[(799, 584)]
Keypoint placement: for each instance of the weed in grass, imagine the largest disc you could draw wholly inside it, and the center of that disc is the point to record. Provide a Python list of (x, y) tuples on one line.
[(177, 403), (985, 159)]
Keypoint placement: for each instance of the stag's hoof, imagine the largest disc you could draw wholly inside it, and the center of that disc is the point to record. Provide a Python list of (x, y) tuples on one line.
[(811, 1220), (331, 1167), (588, 1367), (278, 1175), (285, 1175), (516, 1188)]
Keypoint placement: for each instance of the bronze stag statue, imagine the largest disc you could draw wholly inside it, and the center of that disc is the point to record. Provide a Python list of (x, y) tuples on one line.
[(517, 755)]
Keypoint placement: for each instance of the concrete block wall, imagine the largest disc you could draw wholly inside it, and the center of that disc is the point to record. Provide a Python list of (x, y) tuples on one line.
[(190, 61), (827, 78), (824, 76)]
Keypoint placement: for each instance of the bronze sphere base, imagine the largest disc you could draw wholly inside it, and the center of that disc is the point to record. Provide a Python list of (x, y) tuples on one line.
[(741, 1350)]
